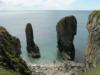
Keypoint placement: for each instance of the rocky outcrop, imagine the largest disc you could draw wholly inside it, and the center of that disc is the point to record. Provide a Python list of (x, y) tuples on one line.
[(32, 48), (10, 53), (93, 48), (66, 30), (18, 46)]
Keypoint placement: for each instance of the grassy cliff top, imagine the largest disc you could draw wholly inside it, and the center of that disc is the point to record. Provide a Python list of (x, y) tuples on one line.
[(93, 71), (4, 71)]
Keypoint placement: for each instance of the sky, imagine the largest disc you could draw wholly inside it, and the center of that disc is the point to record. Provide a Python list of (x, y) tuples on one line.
[(49, 5)]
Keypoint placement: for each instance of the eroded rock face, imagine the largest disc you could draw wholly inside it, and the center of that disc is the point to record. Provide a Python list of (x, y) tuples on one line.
[(32, 48), (66, 30), (18, 46), (10, 50), (93, 48)]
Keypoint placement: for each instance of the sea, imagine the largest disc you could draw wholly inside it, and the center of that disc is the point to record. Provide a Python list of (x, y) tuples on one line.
[(44, 29)]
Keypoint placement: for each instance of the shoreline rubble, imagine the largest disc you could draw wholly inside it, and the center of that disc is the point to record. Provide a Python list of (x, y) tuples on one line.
[(69, 68)]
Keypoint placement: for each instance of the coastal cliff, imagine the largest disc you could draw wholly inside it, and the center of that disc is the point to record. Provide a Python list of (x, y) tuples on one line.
[(93, 48), (10, 59)]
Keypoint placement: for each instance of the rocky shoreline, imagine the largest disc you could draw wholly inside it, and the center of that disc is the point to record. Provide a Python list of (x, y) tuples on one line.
[(69, 68), (10, 49)]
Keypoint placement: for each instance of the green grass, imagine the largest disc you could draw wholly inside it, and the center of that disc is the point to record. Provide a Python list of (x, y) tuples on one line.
[(93, 71), (4, 71)]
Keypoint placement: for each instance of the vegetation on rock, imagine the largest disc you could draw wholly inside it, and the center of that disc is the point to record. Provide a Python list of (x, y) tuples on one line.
[(92, 71), (94, 14), (93, 48), (10, 53), (5, 71)]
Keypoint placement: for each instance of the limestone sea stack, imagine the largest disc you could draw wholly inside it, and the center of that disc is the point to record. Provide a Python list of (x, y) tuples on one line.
[(10, 50), (66, 30), (93, 47), (32, 48)]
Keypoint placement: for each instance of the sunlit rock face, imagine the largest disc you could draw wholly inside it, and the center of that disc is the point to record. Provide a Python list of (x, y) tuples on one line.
[(10, 50), (93, 48), (66, 30), (32, 48)]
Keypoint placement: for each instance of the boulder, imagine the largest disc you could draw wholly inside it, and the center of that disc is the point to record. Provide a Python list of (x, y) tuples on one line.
[(93, 48), (10, 50), (66, 30), (32, 48)]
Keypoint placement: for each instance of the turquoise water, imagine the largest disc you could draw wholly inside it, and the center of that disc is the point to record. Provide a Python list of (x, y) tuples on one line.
[(44, 27)]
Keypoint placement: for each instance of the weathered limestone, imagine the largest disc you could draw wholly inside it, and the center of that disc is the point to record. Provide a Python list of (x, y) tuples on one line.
[(93, 48), (10, 50), (66, 30), (32, 48)]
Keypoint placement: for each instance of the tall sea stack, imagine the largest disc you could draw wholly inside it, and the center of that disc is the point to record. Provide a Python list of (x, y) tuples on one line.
[(32, 48), (93, 48), (66, 30)]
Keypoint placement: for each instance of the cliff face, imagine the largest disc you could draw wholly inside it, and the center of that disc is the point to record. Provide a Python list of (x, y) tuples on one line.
[(10, 50), (93, 48), (66, 30), (32, 48)]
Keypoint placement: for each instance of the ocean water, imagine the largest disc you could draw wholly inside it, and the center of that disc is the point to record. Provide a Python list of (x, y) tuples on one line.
[(44, 27)]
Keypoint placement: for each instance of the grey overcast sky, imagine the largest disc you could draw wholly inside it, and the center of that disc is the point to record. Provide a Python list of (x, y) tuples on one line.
[(49, 4)]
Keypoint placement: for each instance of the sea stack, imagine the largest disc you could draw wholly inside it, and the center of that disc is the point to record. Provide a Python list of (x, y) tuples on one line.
[(93, 47), (32, 48), (66, 30)]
